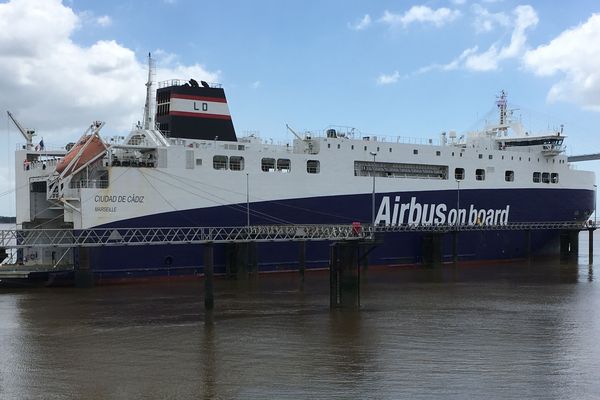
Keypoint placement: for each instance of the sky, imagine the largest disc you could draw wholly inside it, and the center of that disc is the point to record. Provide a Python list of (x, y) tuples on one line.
[(390, 68)]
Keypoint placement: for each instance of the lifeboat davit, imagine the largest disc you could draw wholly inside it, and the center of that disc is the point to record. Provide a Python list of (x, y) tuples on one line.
[(88, 148)]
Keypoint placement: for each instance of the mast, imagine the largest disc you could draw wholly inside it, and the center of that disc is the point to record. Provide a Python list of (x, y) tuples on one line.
[(149, 106), (501, 103)]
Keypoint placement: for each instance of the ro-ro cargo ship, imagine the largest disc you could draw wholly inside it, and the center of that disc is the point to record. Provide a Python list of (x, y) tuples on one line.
[(185, 165)]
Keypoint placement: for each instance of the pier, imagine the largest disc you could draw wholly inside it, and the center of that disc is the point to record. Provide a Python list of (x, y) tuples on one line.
[(350, 245)]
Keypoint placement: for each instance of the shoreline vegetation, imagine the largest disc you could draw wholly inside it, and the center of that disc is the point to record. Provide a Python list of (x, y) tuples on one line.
[(8, 220)]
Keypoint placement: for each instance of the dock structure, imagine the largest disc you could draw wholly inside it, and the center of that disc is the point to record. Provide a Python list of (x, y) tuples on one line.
[(350, 246)]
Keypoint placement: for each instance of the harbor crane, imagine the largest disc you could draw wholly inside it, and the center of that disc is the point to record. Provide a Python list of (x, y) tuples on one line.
[(28, 134)]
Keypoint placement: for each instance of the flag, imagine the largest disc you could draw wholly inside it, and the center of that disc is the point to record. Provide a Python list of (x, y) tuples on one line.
[(40, 145)]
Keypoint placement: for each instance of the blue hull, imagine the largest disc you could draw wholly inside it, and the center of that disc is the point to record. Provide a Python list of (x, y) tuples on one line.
[(526, 205)]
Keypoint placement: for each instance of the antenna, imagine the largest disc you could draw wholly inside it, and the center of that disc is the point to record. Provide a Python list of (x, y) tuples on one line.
[(149, 106), (501, 103)]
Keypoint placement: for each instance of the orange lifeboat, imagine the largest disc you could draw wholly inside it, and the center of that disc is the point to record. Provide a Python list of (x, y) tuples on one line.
[(87, 148)]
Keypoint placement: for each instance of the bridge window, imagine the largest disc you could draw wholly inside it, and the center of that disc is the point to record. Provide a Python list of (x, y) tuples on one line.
[(509, 176), (554, 177), (415, 151), (267, 164), (479, 174), (220, 162), (490, 156), (546, 177), (438, 153), (459, 174), (536, 177), (481, 156), (283, 165), (198, 162), (313, 166), (236, 163)]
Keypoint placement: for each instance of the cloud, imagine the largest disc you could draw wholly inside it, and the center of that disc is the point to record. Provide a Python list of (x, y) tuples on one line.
[(420, 14), (255, 85), (575, 56), (388, 79), (486, 21), (87, 18), (361, 24), (104, 21), (525, 17), (458, 2), (57, 86)]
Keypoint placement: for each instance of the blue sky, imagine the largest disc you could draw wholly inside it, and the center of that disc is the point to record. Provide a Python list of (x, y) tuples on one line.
[(408, 68)]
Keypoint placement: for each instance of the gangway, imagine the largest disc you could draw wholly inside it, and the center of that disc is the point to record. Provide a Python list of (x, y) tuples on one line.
[(99, 237)]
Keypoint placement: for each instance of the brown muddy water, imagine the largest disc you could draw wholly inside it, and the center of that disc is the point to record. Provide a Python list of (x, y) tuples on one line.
[(511, 330)]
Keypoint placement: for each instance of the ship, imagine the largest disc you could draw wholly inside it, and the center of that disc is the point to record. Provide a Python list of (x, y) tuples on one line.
[(185, 165)]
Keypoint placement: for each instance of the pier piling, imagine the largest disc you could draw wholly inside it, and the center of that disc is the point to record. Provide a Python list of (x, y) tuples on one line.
[(455, 247), (431, 247), (209, 300), (301, 259), (528, 244), (591, 245), (83, 275), (569, 245), (344, 275)]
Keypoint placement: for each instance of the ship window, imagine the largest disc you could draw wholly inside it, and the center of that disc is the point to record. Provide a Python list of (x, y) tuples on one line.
[(503, 157), (481, 156), (198, 161), (328, 145), (390, 149), (220, 162), (490, 156), (438, 153), (452, 154), (378, 148), (415, 151), (365, 148), (554, 177), (460, 154), (459, 174), (283, 165), (512, 157), (546, 177), (338, 146), (352, 147), (313, 166), (509, 176), (479, 174), (267, 164), (236, 163), (536, 177)]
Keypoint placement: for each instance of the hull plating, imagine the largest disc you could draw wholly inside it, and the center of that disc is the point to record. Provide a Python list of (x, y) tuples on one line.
[(522, 205)]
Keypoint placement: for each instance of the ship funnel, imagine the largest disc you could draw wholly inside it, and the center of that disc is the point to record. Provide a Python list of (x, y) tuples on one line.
[(188, 110)]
